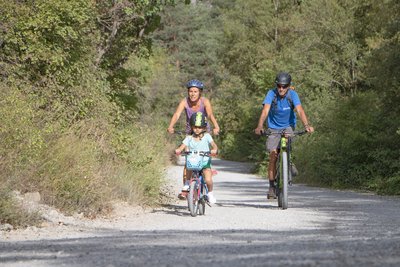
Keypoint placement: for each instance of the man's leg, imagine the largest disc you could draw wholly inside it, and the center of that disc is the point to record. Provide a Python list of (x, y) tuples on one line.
[(272, 173)]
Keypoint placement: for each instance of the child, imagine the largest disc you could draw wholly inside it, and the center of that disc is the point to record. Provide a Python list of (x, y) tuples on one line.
[(194, 102), (200, 140)]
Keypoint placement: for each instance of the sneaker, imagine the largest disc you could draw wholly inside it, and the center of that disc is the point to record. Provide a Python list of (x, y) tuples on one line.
[(211, 198), (294, 170), (185, 188), (271, 193), (182, 195)]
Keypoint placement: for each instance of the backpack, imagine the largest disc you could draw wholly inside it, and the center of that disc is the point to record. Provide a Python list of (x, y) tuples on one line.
[(288, 96)]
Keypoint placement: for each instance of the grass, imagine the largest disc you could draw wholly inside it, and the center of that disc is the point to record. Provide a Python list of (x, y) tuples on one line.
[(12, 213)]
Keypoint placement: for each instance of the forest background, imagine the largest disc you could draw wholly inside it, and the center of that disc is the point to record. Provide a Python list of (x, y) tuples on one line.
[(87, 89)]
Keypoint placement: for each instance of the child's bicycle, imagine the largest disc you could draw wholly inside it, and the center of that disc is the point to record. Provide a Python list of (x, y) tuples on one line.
[(197, 196), (283, 176)]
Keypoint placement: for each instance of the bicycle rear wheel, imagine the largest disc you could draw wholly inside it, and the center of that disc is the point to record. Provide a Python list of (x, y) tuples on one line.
[(193, 198), (283, 194)]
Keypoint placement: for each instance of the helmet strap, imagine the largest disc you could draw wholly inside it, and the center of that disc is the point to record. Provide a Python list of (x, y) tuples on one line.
[(199, 135)]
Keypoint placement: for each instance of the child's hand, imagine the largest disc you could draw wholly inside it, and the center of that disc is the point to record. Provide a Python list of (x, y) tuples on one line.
[(214, 152), (178, 151)]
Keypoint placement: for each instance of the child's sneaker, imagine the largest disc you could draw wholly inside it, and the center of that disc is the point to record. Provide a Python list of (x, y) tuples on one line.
[(211, 198), (182, 195), (185, 188)]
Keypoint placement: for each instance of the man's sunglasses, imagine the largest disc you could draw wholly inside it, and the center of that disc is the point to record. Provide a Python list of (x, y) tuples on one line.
[(284, 86)]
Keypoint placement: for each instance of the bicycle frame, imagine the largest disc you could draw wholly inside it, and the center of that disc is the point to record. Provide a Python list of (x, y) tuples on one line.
[(283, 175), (198, 186), (198, 190)]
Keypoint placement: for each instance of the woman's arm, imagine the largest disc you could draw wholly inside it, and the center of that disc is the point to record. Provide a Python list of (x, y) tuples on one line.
[(176, 116), (210, 114), (214, 148)]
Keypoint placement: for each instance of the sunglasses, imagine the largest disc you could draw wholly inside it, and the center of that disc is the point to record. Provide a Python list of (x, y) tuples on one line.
[(284, 86)]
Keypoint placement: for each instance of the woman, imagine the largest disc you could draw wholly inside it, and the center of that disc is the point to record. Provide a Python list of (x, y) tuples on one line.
[(193, 103)]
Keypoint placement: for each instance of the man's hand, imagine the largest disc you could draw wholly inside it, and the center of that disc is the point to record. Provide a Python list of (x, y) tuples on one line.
[(309, 128), (259, 130)]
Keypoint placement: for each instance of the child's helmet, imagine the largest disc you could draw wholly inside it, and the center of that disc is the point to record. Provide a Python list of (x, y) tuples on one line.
[(198, 119), (195, 83), (283, 78)]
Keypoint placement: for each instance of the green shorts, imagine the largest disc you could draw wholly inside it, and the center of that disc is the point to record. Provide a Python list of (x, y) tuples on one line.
[(207, 165)]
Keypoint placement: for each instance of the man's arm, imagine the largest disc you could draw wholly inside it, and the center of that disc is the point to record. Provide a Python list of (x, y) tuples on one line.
[(263, 117), (303, 118)]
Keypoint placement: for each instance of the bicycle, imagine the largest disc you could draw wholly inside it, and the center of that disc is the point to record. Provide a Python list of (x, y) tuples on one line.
[(198, 190), (283, 176)]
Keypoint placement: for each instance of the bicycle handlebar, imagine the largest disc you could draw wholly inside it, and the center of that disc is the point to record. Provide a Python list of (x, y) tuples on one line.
[(185, 133), (201, 153), (268, 133)]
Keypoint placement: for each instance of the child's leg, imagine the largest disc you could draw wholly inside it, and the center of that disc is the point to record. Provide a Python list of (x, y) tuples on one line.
[(184, 175), (208, 178)]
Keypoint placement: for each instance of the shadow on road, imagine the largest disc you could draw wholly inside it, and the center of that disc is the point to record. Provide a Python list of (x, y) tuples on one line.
[(192, 248)]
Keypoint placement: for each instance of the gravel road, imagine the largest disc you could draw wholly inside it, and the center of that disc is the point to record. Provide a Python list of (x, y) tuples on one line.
[(320, 228)]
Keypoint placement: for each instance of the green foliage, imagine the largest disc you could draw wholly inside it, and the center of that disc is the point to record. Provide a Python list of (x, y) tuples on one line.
[(47, 37), (61, 114), (140, 177), (20, 140), (70, 176), (351, 150), (190, 35)]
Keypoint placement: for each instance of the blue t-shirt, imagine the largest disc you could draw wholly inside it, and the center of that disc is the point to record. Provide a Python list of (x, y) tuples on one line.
[(282, 115), (201, 145)]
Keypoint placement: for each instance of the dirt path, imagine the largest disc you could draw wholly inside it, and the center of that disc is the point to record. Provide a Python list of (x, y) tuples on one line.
[(321, 227)]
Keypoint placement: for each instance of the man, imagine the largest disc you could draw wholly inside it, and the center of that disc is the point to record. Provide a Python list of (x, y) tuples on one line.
[(279, 106)]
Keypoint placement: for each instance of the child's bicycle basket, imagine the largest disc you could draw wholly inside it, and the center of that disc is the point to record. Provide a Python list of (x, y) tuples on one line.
[(194, 161)]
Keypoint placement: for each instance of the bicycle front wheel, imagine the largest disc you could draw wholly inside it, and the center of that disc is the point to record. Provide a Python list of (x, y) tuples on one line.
[(283, 195), (203, 200), (193, 198)]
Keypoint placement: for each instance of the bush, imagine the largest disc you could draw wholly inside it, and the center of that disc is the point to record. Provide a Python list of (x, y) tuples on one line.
[(12, 213)]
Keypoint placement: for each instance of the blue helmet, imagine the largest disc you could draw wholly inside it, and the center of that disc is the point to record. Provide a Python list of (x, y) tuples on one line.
[(195, 83)]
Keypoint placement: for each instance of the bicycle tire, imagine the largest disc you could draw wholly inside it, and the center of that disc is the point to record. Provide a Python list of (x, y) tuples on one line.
[(285, 180), (193, 198), (202, 207), (203, 200), (278, 182)]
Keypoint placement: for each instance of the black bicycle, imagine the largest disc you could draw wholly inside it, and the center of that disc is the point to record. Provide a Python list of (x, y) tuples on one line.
[(283, 176)]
